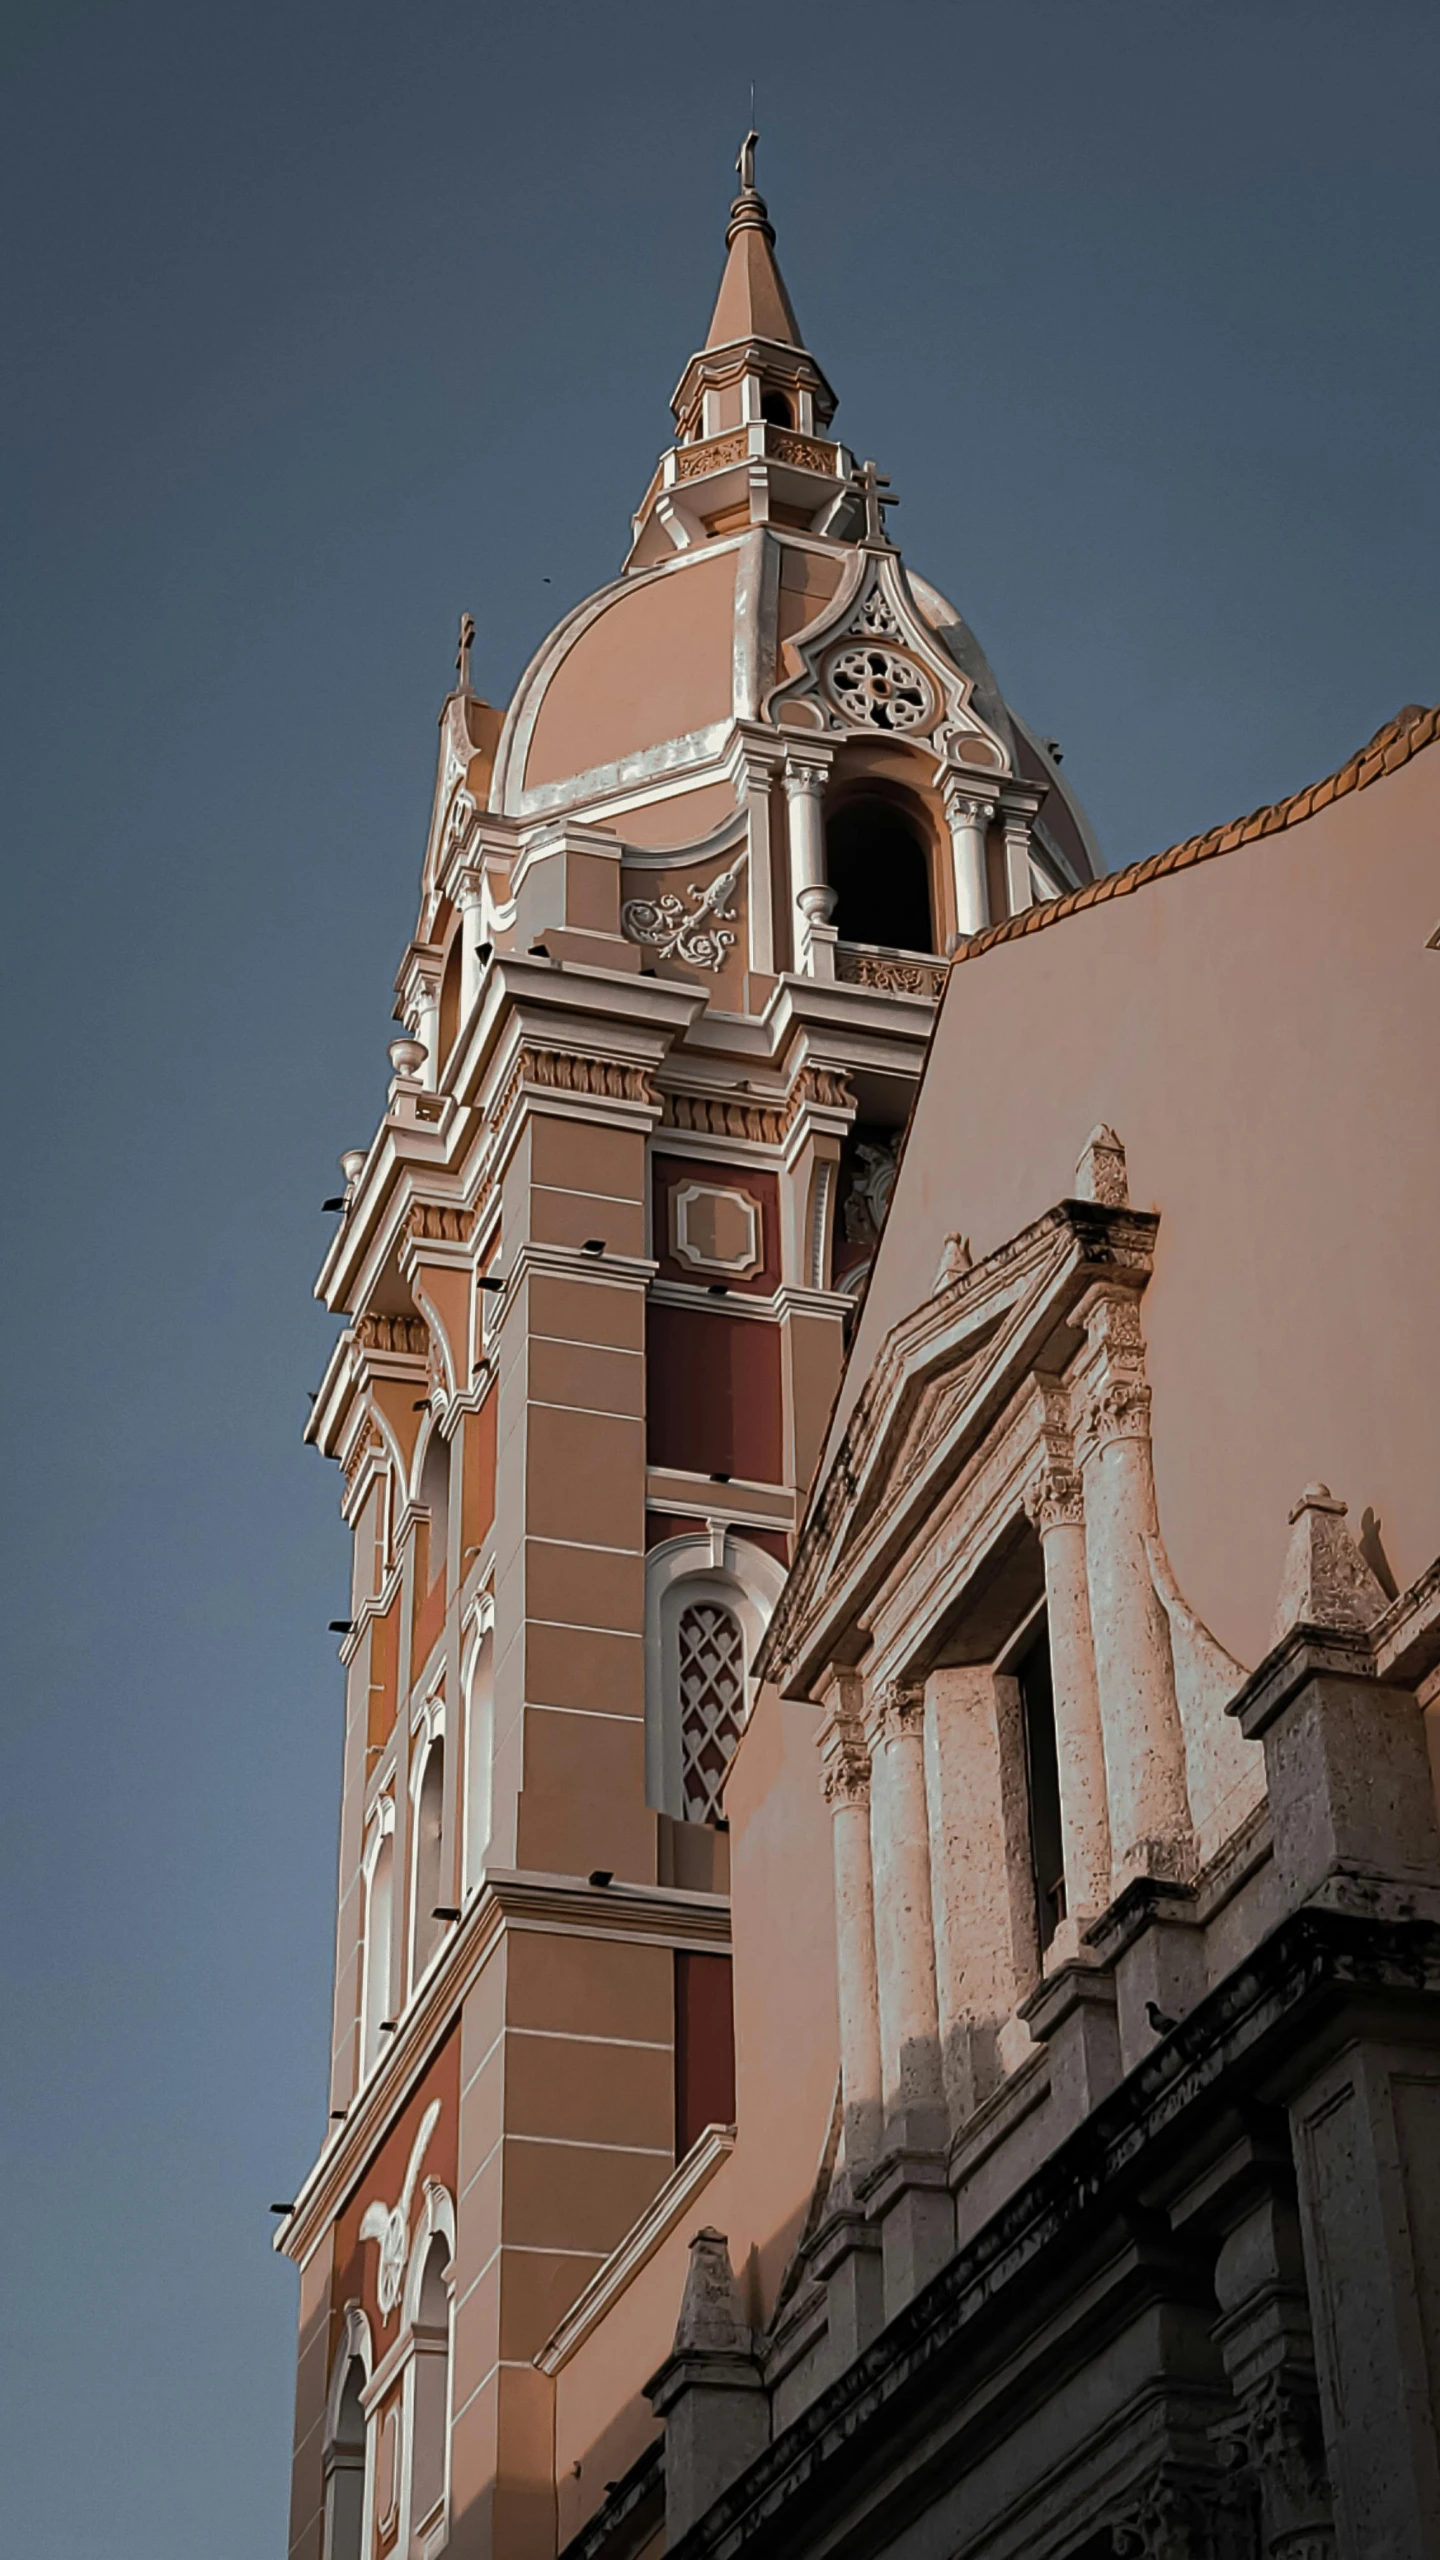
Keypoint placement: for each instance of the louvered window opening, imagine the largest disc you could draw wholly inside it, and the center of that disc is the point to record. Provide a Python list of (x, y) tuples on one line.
[(712, 1702)]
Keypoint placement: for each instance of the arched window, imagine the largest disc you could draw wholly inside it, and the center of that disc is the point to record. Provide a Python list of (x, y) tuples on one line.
[(430, 2310), (775, 409), (708, 1600), (426, 1930), (435, 1494), (877, 865), (479, 1737), (379, 1911), (344, 2462)]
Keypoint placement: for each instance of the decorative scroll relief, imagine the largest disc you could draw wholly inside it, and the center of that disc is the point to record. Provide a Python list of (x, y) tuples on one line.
[(895, 977), (875, 688), (390, 2225), (695, 935)]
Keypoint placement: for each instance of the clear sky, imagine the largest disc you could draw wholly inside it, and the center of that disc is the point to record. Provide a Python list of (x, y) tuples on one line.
[(320, 323)]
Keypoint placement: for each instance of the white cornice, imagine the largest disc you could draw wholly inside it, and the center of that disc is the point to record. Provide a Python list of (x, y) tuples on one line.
[(662, 2216)]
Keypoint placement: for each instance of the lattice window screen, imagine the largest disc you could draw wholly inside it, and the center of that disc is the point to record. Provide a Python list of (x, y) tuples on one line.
[(712, 1702)]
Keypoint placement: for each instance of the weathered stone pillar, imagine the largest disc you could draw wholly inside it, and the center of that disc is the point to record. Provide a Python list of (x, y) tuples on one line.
[(1150, 1832), (968, 815), (1367, 2137), (470, 897), (1056, 1506), (813, 896), (982, 1887), (1263, 2334), (708, 2391), (910, 2197), (847, 1792)]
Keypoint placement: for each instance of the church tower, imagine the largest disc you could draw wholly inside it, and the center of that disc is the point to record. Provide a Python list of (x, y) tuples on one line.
[(686, 908)]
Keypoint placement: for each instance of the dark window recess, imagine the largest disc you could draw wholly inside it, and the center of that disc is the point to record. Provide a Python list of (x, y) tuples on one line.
[(704, 2047), (876, 864), (1042, 1772), (713, 1394), (775, 409)]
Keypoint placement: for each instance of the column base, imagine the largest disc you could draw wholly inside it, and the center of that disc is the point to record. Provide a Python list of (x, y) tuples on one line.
[(847, 2256), (1073, 2013), (908, 2196)]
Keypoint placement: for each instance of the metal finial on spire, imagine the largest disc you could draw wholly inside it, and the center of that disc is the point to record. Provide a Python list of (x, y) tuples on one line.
[(749, 211), (462, 654)]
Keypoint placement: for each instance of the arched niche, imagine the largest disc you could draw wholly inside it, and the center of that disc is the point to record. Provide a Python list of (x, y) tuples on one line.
[(880, 861)]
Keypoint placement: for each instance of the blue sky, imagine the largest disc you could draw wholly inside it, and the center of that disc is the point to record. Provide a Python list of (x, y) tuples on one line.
[(322, 323)]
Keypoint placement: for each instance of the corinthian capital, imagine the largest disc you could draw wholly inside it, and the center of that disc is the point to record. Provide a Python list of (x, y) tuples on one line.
[(898, 1709), (1054, 1498), (845, 1761)]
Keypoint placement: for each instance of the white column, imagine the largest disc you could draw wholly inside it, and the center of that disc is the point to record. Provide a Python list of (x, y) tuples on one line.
[(427, 1029), (470, 897), (1150, 1830), (847, 1792), (912, 2086), (969, 816), (813, 896), (1056, 1505), (1019, 887), (753, 779)]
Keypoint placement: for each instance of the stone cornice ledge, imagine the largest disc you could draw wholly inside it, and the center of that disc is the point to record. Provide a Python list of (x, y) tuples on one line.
[(1313, 1964), (509, 1898), (639, 2245)]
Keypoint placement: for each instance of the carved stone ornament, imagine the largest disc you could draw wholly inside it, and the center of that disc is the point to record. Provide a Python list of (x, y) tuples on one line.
[(409, 1334), (1326, 1581), (868, 1197), (900, 1708), (711, 2321), (571, 1071), (1055, 1499), (1101, 1172), (845, 1774), (1187, 2518), (876, 688), (390, 2224), (894, 977), (695, 935)]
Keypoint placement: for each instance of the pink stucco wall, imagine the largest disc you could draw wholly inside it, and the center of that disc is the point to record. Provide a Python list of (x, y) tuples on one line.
[(1263, 1030)]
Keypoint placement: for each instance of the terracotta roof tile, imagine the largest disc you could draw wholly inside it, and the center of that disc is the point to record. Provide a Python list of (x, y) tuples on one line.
[(1392, 746)]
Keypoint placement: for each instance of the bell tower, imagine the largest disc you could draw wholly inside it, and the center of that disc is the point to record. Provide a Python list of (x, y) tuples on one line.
[(685, 913)]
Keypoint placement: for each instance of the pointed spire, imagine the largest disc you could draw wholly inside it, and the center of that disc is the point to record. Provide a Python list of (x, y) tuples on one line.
[(1326, 1581), (752, 301)]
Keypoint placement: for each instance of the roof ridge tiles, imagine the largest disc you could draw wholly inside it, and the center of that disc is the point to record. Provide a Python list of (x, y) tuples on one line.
[(1392, 746)]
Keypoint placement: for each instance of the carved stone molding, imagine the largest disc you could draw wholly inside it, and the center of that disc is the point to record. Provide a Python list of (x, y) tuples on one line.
[(1278, 2450), (719, 1116), (437, 1223), (1120, 1410), (891, 977), (566, 1071), (1187, 2516), (409, 1334), (1054, 1498)]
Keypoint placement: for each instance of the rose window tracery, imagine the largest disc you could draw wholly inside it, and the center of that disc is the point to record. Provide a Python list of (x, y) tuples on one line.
[(877, 688), (712, 1702)]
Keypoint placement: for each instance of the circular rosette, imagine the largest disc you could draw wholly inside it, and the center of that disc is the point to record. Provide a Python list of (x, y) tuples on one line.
[(877, 688)]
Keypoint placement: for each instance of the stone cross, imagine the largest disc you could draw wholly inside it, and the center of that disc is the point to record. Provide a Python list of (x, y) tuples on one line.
[(871, 483), (462, 654)]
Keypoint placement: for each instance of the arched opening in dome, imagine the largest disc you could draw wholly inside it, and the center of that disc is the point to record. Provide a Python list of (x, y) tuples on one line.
[(877, 864), (775, 409)]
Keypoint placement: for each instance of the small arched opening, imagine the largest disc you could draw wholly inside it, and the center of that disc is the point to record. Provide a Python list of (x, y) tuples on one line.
[(877, 863), (345, 2467), (776, 410), (479, 1726), (429, 1841), (375, 1993), (431, 2423), (435, 1494)]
